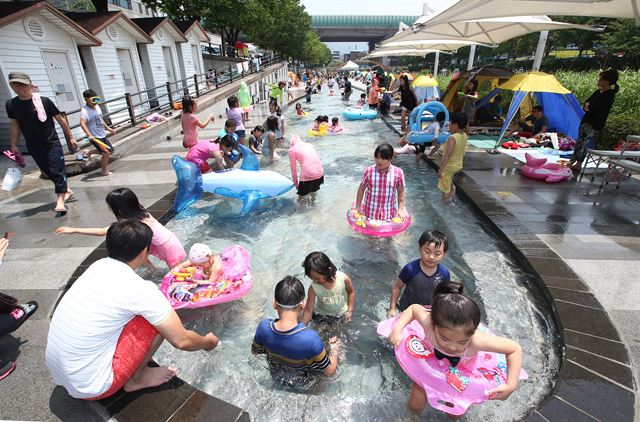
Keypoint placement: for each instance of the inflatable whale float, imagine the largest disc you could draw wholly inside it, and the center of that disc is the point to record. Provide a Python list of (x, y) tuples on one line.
[(248, 183)]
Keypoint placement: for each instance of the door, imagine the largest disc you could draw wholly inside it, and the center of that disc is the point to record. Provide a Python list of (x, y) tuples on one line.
[(168, 62), (62, 81), (126, 68), (195, 53)]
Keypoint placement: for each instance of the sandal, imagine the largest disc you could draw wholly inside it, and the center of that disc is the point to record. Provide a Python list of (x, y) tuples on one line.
[(6, 369), (28, 309), (69, 196), (60, 211)]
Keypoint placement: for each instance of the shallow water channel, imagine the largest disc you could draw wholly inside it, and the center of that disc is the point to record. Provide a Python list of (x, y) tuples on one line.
[(369, 384)]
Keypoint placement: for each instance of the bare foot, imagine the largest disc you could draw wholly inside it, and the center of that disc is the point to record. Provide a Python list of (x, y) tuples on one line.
[(150, 377), (106, 174)]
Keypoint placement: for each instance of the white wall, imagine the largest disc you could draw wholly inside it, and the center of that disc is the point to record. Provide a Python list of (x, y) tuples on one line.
[(155, 72), (21, 53)]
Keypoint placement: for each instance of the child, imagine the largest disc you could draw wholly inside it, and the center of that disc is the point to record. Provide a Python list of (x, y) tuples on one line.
[(454, 150), (269, 140), (205, 261), (288, 343), (93, 124), (191, 123), (299, 111), (331, 295), (419, 278), (316, 124), (124, 204), (274, 110), (236, 114), (255, 140), (418, 149), (362, 101), (307, 92), (450, 328), (218, 150), (311, 170), (380, 185), (335, 126)]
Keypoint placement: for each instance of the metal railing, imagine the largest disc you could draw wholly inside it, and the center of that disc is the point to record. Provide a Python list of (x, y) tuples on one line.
[(129, 109)]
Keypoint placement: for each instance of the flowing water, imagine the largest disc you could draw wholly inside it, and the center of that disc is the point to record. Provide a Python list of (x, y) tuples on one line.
[(369, 384)]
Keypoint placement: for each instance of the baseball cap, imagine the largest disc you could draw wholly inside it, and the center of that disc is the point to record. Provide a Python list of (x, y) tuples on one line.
[(19, 77)]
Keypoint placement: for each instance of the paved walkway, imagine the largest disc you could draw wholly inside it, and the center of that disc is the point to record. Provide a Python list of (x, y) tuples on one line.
[(39, 264)]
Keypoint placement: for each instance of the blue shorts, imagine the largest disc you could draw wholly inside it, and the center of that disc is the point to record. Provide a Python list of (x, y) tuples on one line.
[(241, 133)]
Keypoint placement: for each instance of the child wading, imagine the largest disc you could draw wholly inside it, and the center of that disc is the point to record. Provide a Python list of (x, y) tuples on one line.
[(454, 150)]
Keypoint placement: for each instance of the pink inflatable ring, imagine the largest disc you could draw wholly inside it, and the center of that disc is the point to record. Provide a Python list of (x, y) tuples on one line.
[(182, 291), (451, 390), (378, 228), (538, 168)]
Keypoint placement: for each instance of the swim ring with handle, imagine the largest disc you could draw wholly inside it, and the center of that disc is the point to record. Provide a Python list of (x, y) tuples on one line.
[(181, 290), (451, 390), (378, 228)]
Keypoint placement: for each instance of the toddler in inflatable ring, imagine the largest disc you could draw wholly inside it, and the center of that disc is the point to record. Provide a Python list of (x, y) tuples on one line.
[(202, 267), (448, 333)]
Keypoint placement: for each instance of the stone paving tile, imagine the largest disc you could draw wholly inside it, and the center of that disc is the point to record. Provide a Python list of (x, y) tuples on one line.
[(620, 373), (200, 406), (602, 347), (555, 409)]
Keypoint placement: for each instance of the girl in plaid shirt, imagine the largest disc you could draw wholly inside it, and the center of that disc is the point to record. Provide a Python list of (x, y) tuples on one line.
[(380, 185)]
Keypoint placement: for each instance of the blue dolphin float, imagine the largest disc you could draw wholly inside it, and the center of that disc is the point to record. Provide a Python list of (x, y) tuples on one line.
[(248, 183)]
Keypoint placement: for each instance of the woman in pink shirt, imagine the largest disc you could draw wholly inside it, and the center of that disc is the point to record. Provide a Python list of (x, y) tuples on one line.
[(311, 171), (191, 123)]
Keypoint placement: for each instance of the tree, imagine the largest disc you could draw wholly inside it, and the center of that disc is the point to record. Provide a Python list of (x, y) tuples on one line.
[(621, 35), (314, 51), (583, 40)]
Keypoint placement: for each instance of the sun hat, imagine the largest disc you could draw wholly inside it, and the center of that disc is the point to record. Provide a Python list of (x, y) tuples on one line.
[(19, 77), (199, 253)]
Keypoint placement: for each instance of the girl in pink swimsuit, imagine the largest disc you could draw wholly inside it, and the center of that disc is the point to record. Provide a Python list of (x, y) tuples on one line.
[(124, 204), (191, 122)]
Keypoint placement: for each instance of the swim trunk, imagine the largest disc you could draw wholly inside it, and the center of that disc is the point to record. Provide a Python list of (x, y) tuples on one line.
[(308, 186), (444, 184), (132, 347), (106, 146)]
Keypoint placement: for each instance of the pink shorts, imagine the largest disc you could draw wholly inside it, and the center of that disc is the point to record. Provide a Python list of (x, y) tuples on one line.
[(133, 345)]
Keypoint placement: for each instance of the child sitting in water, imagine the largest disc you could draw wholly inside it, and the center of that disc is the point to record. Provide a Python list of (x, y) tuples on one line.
[(419, 278), (362, 101), (316, 124), (381, 184), (331, 295), (418, 149), (450, 330), (219, 150), (206, 263), (191, 123), (255, 140), (124, 204), (335, 126), (288, 343), (299, 111)]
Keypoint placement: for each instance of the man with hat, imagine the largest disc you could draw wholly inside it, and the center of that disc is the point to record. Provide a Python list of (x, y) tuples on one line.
[(33, 115)]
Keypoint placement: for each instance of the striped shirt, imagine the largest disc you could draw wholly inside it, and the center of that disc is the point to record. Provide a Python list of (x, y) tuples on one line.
[(380, 201), (298, 349)]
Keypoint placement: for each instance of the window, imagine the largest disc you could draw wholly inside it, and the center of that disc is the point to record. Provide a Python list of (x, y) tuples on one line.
[(121, 3), (139, 8)]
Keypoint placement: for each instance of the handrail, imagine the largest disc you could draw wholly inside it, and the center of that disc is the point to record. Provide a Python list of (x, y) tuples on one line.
[(163, 97)]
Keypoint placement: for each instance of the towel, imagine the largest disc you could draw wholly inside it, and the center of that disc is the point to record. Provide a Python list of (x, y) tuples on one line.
[(37, 103)]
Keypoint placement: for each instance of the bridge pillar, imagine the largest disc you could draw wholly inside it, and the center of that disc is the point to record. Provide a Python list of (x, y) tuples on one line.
[(372, 46)]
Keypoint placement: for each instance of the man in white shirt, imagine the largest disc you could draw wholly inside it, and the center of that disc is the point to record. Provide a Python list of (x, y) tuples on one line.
[(109, 324)]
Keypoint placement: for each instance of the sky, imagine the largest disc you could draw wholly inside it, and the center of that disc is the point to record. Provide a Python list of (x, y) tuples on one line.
[(373, 7)]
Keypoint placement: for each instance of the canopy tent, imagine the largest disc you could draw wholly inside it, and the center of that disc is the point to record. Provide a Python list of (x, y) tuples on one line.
[(400, 52), (559, 105), (349, 66), (448, 45), (426, 88), (495, 75), (464, 10), (489, 32)]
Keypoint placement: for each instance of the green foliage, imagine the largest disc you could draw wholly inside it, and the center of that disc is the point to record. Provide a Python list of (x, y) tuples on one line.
[(280, 25), (314, 51), (82, 6)]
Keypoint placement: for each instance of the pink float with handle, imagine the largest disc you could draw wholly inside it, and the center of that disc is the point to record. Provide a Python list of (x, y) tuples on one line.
[(451, 390), (182, 290), (538, 168), (379, 228)]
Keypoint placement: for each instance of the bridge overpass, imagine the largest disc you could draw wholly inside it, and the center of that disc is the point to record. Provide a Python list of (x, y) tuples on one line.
[(357, 28)]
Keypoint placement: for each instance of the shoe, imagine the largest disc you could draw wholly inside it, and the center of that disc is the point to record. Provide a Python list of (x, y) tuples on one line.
[(28, 309), (69, 196), (6, 369)]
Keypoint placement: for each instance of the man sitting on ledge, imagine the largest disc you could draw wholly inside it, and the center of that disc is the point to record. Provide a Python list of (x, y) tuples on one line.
[(109, 324)]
